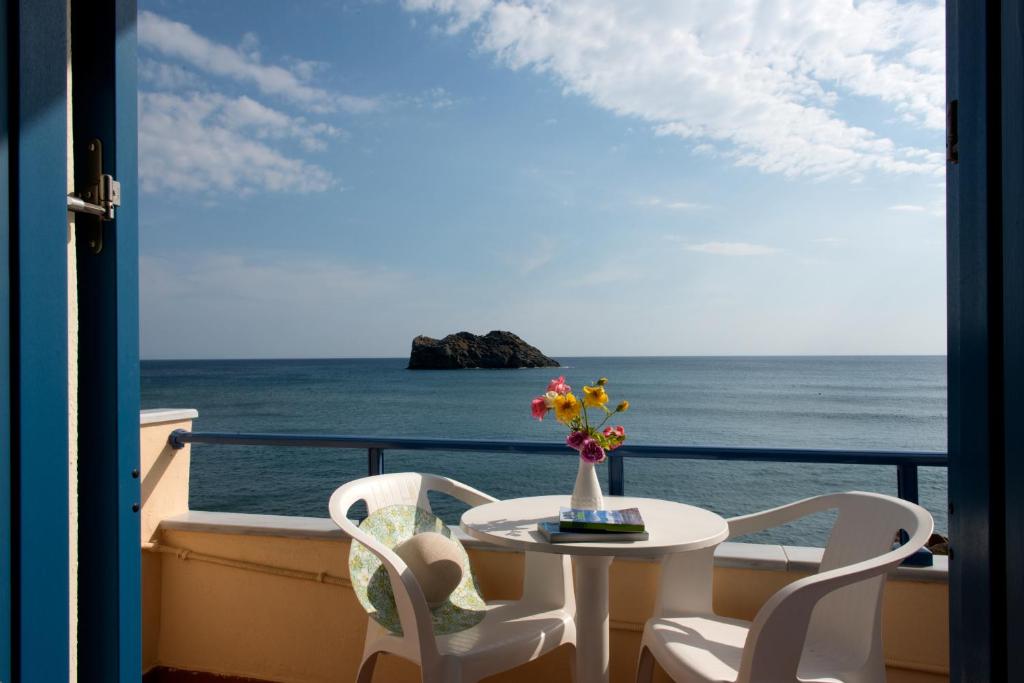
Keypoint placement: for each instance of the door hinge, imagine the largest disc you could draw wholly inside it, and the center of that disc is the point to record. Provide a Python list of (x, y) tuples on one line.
[(952, 134), (99, 195)]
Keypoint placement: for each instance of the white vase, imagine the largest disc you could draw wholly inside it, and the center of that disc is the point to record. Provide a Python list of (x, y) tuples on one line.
[(586, 495)]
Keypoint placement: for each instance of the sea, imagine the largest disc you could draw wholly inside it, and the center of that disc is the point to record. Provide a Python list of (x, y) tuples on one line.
[(875, 402)]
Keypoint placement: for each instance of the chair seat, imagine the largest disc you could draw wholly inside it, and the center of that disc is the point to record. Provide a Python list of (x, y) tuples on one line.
[(710, 648), (509, 632)]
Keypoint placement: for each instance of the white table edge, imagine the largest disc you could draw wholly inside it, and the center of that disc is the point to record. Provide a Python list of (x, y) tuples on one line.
[(636, 549)]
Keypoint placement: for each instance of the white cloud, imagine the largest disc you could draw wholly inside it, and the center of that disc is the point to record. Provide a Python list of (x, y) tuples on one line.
[(761, 80), (272, 277), (264, 122), (540, 252), (674, 205), (177, 40), (209, 143), (432, 98), (733, 249), (166, 76), (461, 13), (193, 138), (269, 304), (936, 208), (609, 273)]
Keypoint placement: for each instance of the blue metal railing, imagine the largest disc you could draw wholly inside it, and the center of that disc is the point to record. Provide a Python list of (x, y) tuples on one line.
[(906, 462)]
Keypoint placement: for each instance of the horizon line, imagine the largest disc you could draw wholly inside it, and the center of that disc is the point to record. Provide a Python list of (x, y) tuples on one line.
[(754, 355)]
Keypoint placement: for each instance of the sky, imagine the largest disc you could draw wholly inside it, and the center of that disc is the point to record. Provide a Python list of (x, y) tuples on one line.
[(667, 177)]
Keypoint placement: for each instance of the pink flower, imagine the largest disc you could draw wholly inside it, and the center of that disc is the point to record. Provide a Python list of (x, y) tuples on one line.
[(575, 440), (559, 386), (616, 435), (591, 451), (538, 407)]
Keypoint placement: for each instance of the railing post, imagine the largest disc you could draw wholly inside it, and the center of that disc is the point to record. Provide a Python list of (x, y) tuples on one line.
[(616, 475), (906, 482), (906, 488), (375, 461)]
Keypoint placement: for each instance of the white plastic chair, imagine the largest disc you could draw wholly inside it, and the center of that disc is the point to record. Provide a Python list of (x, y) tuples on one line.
[(825, 627), (510, 634)]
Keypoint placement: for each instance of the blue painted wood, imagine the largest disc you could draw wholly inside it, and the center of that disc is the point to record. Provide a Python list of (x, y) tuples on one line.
[(5, 370), (40, 343), (616, 475), (1012, 167), (979, 374), (906, 482), (105, 108), (374, 461)]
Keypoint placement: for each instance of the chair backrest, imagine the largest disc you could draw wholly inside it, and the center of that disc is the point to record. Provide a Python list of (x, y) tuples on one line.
[(848, 620), (400, 488)]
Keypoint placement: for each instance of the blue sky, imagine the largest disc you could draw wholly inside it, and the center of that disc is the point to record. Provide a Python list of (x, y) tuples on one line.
[(329, 179)]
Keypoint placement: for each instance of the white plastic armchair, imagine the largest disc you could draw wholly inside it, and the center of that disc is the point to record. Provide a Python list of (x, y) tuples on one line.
[(824, 627), (511, 632)]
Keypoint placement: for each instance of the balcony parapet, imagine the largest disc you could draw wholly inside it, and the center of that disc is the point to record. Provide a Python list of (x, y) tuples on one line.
[(153, 416), (284, 581), (164, 471), (730, 555)]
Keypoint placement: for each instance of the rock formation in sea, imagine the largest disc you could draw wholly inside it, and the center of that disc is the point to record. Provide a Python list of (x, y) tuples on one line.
[(495, 349)]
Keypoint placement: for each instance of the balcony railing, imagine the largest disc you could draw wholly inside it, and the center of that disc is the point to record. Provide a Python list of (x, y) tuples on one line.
[(905, 462)]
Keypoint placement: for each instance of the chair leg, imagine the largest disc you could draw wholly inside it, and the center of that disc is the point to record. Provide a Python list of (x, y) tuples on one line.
[(645, 666), (448, 672), (365, 674)]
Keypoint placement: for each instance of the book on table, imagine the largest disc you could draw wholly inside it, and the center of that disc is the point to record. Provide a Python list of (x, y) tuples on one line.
[(553, 533), (627, 521)]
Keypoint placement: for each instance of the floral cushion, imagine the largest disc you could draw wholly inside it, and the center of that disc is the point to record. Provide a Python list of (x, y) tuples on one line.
[(391, 525)]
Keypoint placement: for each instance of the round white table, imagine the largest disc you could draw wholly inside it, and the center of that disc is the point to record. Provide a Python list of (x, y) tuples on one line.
[(673, 528)]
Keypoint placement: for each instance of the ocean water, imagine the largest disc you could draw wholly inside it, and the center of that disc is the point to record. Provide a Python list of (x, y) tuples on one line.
[(812, 402)]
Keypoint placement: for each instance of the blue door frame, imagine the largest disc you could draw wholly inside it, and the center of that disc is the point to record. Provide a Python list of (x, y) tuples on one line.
[(104, 100), (36, 41), (985, 245), (34, 514), (1012, 206), (5, 365)]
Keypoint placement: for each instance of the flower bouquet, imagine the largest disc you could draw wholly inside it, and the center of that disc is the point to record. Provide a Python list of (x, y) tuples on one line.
[(590, 438)]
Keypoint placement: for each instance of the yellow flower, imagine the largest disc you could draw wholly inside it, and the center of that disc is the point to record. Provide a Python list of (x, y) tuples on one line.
[(567, 408), (622, 407), (601, 382), (595, 396)]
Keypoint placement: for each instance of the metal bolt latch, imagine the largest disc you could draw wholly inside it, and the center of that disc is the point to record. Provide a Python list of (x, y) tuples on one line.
[(99, 197)]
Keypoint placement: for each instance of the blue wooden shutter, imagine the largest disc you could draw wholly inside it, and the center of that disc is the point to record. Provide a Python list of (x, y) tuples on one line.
[(37, 44), (104, 101)]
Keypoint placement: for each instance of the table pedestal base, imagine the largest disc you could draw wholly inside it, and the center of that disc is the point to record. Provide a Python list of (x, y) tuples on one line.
[(592, 618)]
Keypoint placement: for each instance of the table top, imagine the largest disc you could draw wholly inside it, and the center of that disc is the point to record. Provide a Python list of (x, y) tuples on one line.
[(673, 527)]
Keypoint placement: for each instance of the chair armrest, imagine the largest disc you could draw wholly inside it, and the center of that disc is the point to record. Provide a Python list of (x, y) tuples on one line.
[(767, 519), (456, 489)]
